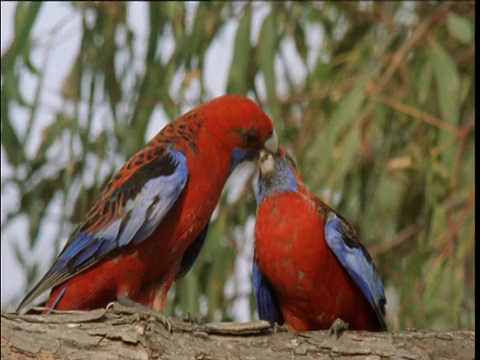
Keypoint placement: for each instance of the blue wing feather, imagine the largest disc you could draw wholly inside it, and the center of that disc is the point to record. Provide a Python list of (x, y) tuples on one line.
[(267, 303), (142, 203), (136, 222), (357, 262), (82, 249)]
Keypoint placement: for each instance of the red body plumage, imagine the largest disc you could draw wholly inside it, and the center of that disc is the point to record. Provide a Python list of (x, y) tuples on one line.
[(312, 287), (297, 272)]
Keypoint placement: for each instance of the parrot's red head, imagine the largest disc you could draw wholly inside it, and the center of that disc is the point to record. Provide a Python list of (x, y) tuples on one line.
[(241, 127)]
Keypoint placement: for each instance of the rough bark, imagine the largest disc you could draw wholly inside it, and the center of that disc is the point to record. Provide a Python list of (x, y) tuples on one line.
[(121, 333)]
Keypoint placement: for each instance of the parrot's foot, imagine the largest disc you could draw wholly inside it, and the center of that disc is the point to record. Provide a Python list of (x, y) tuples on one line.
[(338, 327), (277, 328), (140, 308), (195, 319)]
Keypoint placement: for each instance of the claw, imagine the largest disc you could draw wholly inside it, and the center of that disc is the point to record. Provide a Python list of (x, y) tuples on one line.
[(277, 328), (193, 318), (110, 305), (187, 317), (161, 318), (338, 327)]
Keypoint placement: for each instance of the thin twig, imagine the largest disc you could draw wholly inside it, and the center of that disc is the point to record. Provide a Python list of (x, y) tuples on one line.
[(454, 224), (415, 113), (399, 239), (297, 98), (402, 53)]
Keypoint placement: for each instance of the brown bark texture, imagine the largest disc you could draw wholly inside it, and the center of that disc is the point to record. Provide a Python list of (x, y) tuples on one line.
[(125, 333)]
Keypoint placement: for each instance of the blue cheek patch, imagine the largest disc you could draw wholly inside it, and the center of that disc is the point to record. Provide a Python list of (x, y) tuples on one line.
[(239, 155)]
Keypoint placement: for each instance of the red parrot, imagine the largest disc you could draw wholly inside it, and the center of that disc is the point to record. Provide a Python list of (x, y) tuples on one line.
[(310, 266), (151, 219)]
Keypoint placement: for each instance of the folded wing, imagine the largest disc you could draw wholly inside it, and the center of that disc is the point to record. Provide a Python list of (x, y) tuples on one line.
[(267, 303), (347, 247), (132, 206)]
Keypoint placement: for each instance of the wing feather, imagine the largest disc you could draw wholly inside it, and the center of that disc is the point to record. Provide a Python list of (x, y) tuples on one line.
[(267, 303), (353, 256)]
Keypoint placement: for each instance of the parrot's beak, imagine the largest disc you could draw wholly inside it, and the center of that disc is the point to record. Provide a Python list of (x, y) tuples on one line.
[(271, 144), (266, 162)]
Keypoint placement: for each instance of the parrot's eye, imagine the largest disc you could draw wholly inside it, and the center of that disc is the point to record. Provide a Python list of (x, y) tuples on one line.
[(251, 137)]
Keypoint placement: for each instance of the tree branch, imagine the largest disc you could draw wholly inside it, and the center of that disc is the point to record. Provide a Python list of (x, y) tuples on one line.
[(126, 333)]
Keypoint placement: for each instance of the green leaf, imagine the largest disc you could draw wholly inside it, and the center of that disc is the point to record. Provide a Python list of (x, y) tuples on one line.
[(37, 212), (20, 17), (424, 83), (349, 152), (175, 11), (189, 288), (448, 93), (345, 114), (53, 132), (267, 44), (11, 143), (33, 273), (238, 77), (19, 254), (460, 28), (197, 35), (25, 16), (448, 84), (434, 279), (301, 41)]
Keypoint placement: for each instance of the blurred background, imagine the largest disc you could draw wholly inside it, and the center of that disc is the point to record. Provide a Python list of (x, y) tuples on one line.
[(375, 101)]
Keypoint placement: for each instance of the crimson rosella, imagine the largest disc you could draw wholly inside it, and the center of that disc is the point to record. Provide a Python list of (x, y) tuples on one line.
[(310, 266), (151, 220)]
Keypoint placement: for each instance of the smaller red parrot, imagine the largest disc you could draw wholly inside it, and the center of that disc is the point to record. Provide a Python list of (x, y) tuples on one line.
[(151, 219), (310, 266)]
